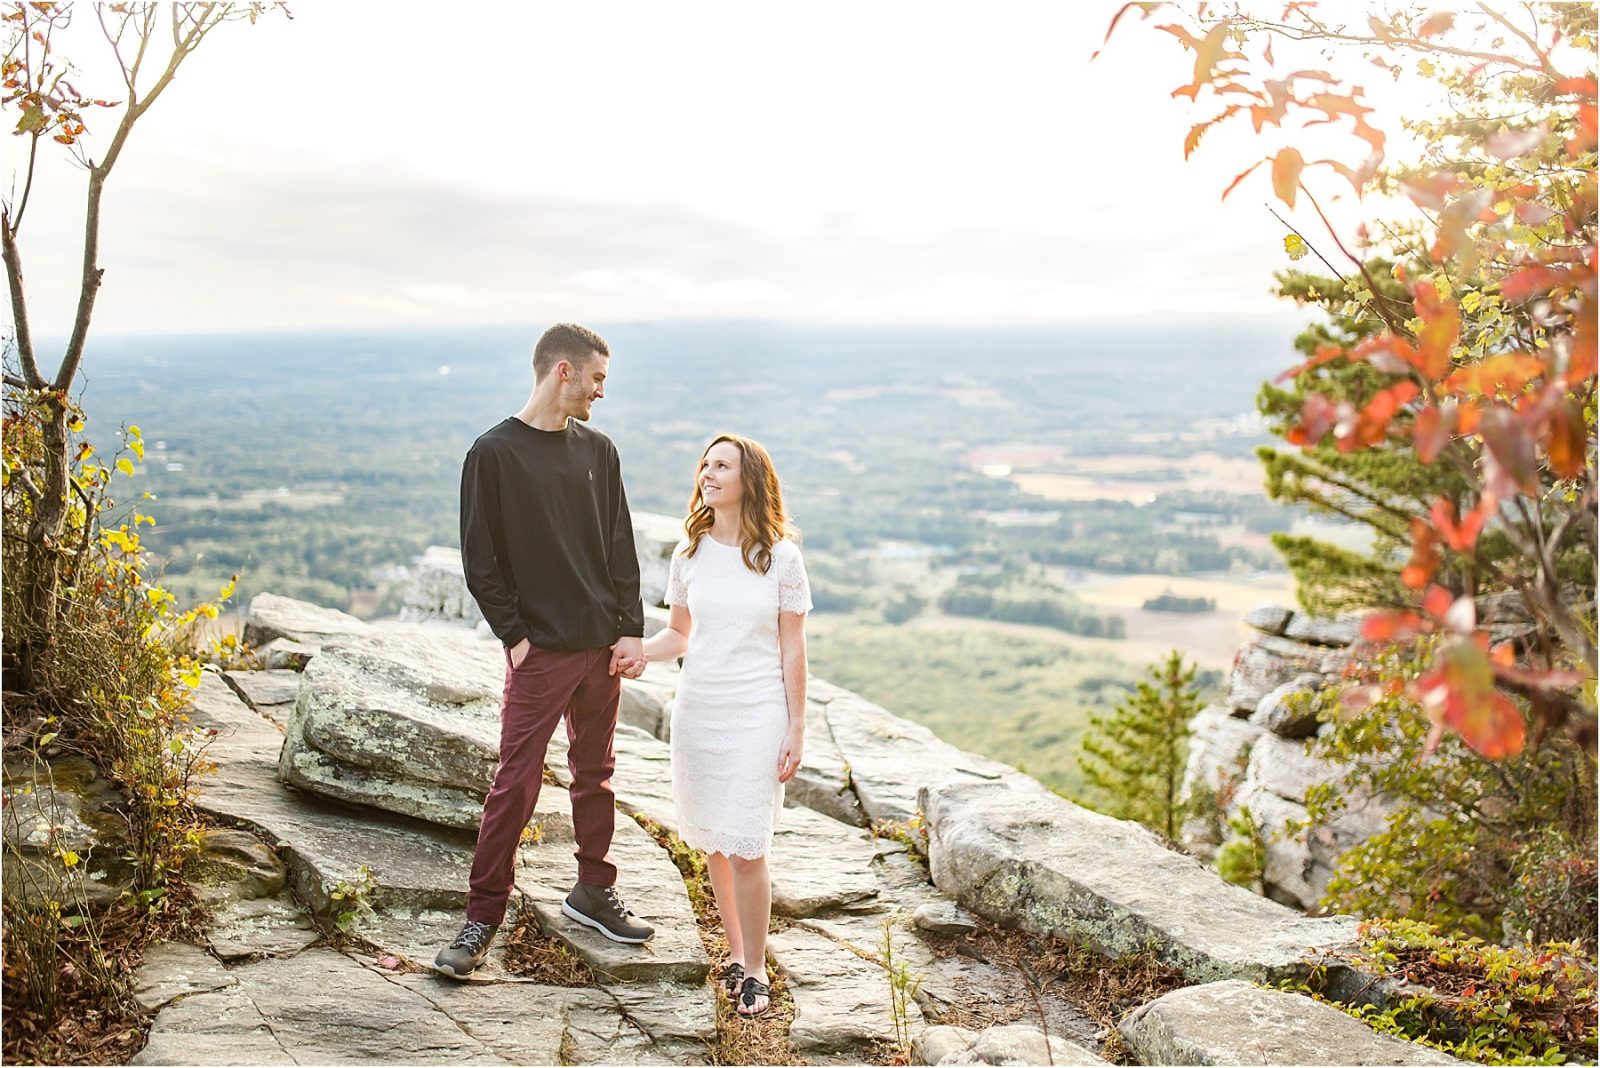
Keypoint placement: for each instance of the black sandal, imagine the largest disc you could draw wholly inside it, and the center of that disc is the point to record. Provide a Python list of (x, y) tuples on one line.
[(753, 988), (730, 978)]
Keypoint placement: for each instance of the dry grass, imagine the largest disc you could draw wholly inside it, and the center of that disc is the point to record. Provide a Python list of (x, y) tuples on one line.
[(92, 1025), (763, 1040), (530, 954)]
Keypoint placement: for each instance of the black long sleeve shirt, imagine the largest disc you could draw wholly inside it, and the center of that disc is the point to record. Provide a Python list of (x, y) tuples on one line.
[(547, 539)]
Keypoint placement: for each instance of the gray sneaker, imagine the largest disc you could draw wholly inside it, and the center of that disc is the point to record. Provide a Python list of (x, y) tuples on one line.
[(467, 951), (600, 907)]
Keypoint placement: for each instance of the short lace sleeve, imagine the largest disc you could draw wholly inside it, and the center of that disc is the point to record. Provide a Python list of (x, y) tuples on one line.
[(677, 585), (794, 589)]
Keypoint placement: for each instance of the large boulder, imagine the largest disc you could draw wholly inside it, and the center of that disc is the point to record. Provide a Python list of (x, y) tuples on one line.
[(1264, 664), (438, 589), (1289, 711), (1237, 1023), (407, 722), (271, 617), (654, 538), (1219, 751), (1021, 856), (890, 759)]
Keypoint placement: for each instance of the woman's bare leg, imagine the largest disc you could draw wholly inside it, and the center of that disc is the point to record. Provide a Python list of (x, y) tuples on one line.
[(722, 888), (752, 893)]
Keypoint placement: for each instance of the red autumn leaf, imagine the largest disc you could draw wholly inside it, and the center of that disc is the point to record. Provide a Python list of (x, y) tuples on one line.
[(1459, 214), (1371, 426), (1507, 373), (1569, 439), (1390, 626), (1431, 431), (1510, 463), (1459, 694), (1530, 282), (1581, 86), (1207, 54), (1582, 352), (1387, 352), (1460, 536), (1324, 354), (1318, 415), (1425, 558), (1429, 190), (1437, 601)]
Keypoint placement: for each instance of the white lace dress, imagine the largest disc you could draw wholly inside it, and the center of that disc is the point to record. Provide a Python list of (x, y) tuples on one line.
[(731, 710)]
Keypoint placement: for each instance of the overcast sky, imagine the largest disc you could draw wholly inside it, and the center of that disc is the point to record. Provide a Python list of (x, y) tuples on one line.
[(888, 162)]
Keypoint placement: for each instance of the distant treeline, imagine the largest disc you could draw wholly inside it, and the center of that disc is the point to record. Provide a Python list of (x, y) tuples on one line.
[(1171, 602), (1045, 611)]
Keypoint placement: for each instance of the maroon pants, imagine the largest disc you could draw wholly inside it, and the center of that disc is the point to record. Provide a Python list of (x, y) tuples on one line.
[(547, 685)]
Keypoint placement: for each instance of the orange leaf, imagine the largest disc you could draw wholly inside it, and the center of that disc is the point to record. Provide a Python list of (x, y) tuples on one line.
[(1241, 176), (1286, 167), (1436, 24), (1389, 626), (1460, 536), (1441, 326), (1425, 557), (1568, 439), (1459, 694)]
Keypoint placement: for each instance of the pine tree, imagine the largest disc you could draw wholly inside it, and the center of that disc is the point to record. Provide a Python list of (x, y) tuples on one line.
[(1133, 759)]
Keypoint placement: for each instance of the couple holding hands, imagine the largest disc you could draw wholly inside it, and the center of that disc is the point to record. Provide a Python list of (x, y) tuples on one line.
[(547, 547)]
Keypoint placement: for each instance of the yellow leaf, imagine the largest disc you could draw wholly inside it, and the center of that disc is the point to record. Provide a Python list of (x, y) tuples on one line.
[(125, 465)]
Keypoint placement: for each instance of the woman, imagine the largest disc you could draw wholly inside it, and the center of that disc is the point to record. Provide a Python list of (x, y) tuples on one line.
[(739, 595)]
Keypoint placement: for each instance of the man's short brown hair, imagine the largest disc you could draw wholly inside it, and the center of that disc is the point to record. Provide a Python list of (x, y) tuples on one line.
[(566, 341)]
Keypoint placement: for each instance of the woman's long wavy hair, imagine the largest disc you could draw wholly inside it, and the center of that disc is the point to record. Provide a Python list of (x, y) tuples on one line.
[(762, 522)]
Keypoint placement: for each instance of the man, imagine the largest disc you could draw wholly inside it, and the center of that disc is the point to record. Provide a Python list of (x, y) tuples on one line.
[(547, 546)]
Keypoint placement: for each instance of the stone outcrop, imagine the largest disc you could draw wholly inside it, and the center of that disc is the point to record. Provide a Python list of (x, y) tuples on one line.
[(1237, 1023), (438, 589), (271, 617), (1021, 856), (1254, 754), (360, 797)]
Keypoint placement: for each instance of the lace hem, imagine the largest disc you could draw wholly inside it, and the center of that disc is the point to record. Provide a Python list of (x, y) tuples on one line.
[(745, 846)]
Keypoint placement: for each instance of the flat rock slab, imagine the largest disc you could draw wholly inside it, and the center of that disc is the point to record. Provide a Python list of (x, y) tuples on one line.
[(322, 843), (417, 935), (267, 926), (1023, 857), (820, 865), (271, 616), (891, 759), (1234, 1022), (648, 882), (321, 1007), (1001, 1044), (272, 692), (822, 782), (842, 1002), (643, 1023), (172, 969)]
